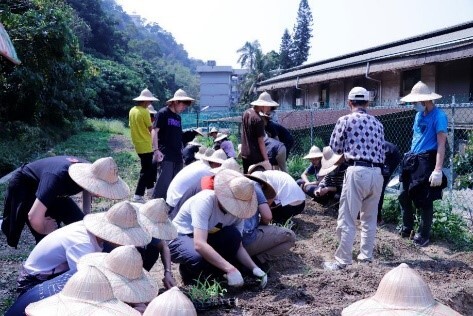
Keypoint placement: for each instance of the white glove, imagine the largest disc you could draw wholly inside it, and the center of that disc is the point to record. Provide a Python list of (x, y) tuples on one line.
[(257, 272), (435, 178), (234, 278)]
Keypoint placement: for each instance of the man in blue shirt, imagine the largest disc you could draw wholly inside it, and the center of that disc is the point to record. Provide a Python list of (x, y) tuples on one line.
[(422, 178)]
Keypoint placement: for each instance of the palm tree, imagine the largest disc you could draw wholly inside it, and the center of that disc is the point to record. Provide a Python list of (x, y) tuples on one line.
[(248, 54)]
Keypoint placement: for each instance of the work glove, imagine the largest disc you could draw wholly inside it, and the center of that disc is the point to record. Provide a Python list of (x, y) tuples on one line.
[(262, 276), (435, 178), (234, 278)]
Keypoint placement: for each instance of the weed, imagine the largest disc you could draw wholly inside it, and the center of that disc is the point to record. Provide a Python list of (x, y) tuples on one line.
[(104, 125), (296, 165), (289, 223), (391, 209), (385, 250), (206, 291)]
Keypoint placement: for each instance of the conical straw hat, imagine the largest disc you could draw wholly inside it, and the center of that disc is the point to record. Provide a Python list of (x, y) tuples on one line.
[(231, 164), (171, 303), (264, 99), (329, 161), (154, 218), (267, 188), (180, 95), (236, 193), (123, 267), (118, 225), (401, 292), (218, 156), (88, 292), (151, 109), (314, 152), (204, 152), (100, 178), (145, 95), (420, 92)]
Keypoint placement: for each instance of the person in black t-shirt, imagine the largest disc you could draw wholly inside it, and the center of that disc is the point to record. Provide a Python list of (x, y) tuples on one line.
[(279, 132), (167, 141), (38, 193)]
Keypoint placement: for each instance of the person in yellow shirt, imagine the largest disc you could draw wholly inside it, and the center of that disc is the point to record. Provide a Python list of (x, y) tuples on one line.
[(140, 126)]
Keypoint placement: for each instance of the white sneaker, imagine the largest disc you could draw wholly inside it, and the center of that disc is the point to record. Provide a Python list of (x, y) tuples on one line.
[(138, 199)]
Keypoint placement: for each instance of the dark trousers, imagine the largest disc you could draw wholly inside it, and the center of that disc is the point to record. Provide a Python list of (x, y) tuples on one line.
[(147, 175), (168, 171), (37, 293), (407, 210), (282, 213), (226, 242), (381, 198), (247, 163), (19, 199)]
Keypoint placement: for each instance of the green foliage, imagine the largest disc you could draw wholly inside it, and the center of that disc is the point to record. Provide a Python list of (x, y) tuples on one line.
[(285, 60), (463, 166), (289, 223), (391, 209), (302, 34), (205, 291), (296, 165), (102, 125)]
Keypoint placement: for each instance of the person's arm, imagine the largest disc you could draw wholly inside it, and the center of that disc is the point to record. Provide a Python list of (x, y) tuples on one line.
[(165, 254), (38, 221), (157, 155), (245, 259), (266, 214), (441, 143), (262, 148), (209, 253)]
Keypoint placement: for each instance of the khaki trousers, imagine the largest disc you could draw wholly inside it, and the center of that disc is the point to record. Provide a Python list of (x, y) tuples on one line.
[(360, 194), (271, 242)]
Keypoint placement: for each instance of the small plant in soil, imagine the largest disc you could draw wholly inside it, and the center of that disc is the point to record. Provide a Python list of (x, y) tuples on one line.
[(207, 294)]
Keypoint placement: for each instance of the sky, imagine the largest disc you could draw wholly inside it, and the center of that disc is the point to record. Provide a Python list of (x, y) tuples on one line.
[(216, 29)]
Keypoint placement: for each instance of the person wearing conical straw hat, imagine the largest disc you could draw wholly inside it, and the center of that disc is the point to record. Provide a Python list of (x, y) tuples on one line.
[(55, 257), (222, 142), (253, 149), (154, 218), (123, 267), (140, 124), (38, 193), (88, 292), (171, 303), (167, 141), (315, 157), (213, 132), (402, 291), (205, 183), (190, 175), (191, 144), (363, 180), (424, 184), (332, 173), (209, 227)]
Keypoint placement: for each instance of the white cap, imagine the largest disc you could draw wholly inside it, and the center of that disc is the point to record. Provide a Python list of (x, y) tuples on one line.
[(359, 93)]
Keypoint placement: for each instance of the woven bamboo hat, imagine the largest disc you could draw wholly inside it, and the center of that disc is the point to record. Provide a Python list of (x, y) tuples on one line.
[(401, 292), (100, 178), (265, 164), (218, 156), (171, 303), (329, 161), (220, 136), (195, 142), (118, 225), (203, 152), (145, 95), (235, 193), (151, 109), (314, 152), (231, 164), (199, 131), (123, 267), (213, 130), (264, 99), (267, 188), (420, 92), (156, 221), (180, 95), (88, 292)]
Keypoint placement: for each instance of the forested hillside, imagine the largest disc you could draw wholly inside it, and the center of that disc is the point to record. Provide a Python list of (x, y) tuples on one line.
[(80, 58)]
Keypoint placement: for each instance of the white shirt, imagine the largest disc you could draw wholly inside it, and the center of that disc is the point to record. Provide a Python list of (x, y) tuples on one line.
[(201, 211), (287, 190), (188, 177), (60, 250)]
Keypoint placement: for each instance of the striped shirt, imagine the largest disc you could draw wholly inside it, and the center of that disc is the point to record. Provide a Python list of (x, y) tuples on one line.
[(359, 136)]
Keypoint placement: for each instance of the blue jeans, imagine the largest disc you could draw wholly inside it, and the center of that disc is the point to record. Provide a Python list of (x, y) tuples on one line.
[(39, 292)]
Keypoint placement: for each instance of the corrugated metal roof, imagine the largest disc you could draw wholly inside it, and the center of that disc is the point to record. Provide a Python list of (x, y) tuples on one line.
[(447, 44)]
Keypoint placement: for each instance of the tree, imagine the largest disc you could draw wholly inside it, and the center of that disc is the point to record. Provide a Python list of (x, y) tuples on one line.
[(302, 34), (285, 60), (248, 54)]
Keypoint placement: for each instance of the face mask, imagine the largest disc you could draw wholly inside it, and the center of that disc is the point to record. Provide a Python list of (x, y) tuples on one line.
[(419, 107)]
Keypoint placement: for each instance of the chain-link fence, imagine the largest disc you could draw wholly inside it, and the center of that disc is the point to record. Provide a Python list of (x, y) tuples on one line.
[(314, 126)]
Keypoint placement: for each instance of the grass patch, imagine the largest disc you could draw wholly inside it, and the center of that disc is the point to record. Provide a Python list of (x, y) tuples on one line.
[(296, 165)]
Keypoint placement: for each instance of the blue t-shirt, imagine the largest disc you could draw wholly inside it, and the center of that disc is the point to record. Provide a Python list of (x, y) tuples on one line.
[(250, 224), (426, 129)]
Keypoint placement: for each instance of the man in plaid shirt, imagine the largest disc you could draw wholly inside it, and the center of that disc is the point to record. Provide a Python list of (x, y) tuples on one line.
[(360, 138)]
